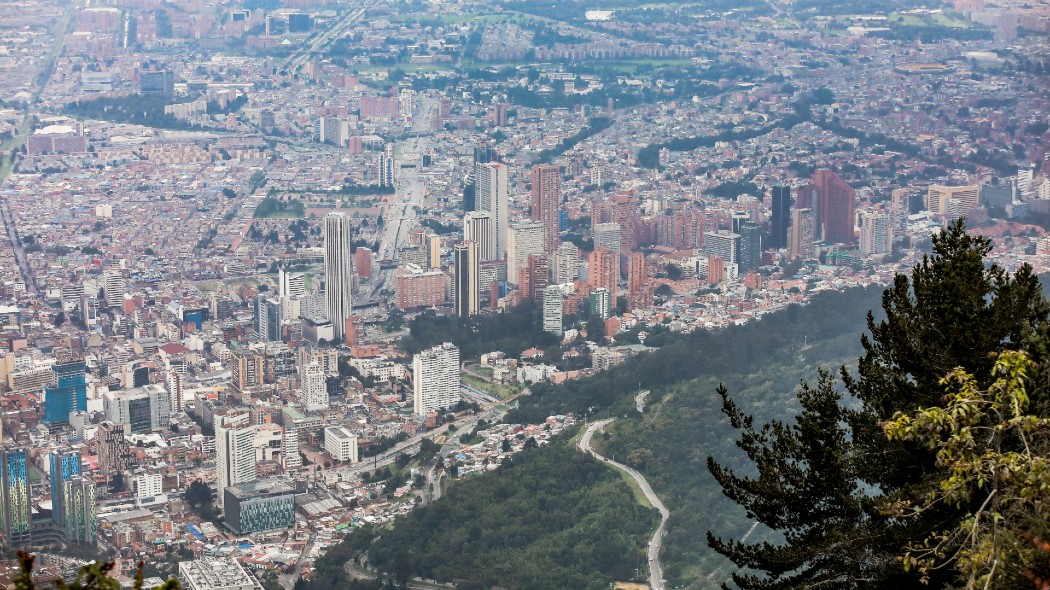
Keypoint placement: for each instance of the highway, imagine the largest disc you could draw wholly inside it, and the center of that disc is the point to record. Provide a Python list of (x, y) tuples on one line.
[(315, 44), (656, 572)]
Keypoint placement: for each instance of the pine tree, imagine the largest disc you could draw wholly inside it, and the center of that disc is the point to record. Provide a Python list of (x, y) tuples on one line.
[(954, 312)]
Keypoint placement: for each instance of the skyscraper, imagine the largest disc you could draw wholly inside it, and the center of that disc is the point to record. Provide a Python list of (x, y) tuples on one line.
[(234, 455), (79, 511), (338, 272), (608, 236), (64, 465), (267, 318), (780, 217), (290, 284), (534, 277), (604, 271), (801, 234), (636, 276), (566, 263), (601, 303), (68, 394), (435, 378), (143, 409), (552, 310), (386, 166), (750, 253), (14, 486), (524, 239), (478, 228), (114, 452), (492, 196), (837, 203), (722, 243), (546, 203), (876, 233), (314, 394), (467, 275), (953, 201), (483, 154)]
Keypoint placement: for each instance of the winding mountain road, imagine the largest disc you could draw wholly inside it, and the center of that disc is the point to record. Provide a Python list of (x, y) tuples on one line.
[(656, 573)]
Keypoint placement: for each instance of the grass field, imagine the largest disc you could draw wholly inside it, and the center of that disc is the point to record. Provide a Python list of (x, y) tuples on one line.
[(500, 391)]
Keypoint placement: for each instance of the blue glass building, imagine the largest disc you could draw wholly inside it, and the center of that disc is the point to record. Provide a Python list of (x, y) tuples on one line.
[(65, 465), (69, 394)]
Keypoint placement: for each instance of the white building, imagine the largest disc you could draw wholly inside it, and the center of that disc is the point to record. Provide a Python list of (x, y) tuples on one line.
[(435, 378), (523, 239), (313, 390), (340, 443), (290, 449), (234, 455), (215, 573), (338, 272), (290, 284), (566, 264), (552, 310), (147, 485), (144, 409), (478, 227), (607, 235), (492, 196)]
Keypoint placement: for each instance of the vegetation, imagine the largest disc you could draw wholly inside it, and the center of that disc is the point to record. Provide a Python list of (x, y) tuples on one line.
[(270, 208), (879, 497), (595, 126), (136, 109), (552, 518), (201, 500), (511, 332)]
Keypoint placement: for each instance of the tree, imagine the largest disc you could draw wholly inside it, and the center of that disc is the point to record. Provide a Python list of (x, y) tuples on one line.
[(970, 436), (953, 312), (93, 576)]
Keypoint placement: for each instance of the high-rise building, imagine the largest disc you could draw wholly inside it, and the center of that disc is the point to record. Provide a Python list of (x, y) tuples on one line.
[(387, 166), (483, 154), (952, 201), (604, 268), (566, 263), (780, 217), (314, 392), (608, 236), (534, 277), (802, 233), (143, 409), (435, 378), (477, 227), (234, 455), (546, 203), (249, 369), (601, 303), (68, 394), (836, 209), (552, 310), (78, 515), (290, 449), (1025, 184), (64, 465), (493, 196), (722, 243), (749, 255), (114, 452), (333, 130), (900, 207), (467, 276), (876, 233), (174, 382), (524, 239), (290, 284), (636, 276), (433, 244), (268, 315), (338, 272), (16, 496), (113, 288)]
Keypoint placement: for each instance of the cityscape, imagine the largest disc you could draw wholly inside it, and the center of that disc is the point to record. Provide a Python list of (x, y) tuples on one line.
[(278, 274)]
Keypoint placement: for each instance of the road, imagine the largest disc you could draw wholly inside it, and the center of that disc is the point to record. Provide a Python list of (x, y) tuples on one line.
[(313, 46), (656, 572)]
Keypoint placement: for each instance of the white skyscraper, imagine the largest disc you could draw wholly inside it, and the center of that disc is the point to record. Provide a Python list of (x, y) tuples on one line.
[(523, 239), (552, 310), (478, 228), (234, 455), (314, 393), (435, 375), (113, 287), (290, 449), (492, 196), (173, 381), (607, 235), (338, 272)]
